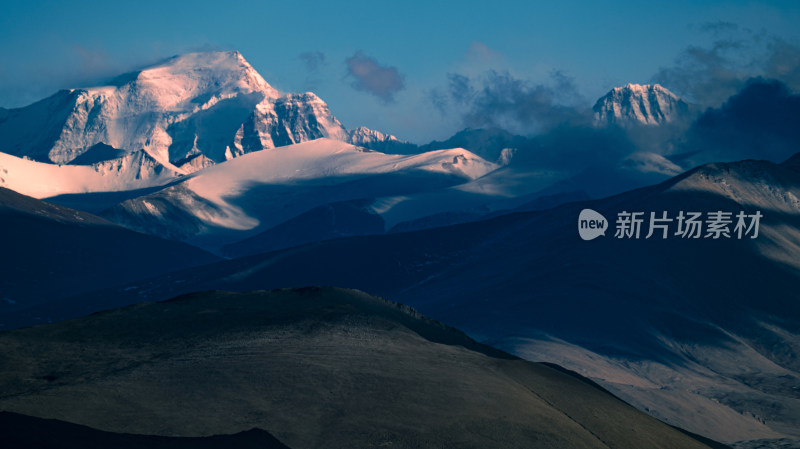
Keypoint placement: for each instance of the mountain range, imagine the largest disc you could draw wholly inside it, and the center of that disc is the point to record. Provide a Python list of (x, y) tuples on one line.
[(478, 231), (139, 150), (182, 114), (702, 333)]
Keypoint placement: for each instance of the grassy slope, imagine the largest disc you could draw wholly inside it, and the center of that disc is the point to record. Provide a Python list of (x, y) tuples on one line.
[(314, 367)]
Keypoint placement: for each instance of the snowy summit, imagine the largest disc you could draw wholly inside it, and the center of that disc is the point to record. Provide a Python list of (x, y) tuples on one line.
[(639, 104), (185, 113)]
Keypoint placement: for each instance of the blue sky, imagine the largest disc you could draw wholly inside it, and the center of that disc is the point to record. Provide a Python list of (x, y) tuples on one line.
[(413, 47)]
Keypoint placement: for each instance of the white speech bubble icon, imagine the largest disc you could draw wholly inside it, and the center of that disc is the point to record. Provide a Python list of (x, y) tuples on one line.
[(591, 224)]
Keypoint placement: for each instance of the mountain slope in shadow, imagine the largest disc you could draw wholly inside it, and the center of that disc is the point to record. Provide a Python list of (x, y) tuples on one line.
[(51, 252)]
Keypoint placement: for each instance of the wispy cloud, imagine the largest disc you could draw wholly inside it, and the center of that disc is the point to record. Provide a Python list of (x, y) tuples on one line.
[(719, 26), (313, 60), (314, 63), (708, 75), (74, 66), (371, 77), (499, 99), (783, 62), (480, 54)]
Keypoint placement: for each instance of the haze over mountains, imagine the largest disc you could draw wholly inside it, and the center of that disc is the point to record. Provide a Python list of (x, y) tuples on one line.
[(702, 334)]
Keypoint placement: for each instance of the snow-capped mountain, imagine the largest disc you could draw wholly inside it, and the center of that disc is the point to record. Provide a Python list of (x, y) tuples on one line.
[(188, 112), (378, 141), (42, 180), (265, 188), (637, 104)]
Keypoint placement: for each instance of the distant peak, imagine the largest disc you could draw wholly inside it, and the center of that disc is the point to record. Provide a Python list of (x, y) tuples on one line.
[(203, 60), (644, 104), (364, 136)]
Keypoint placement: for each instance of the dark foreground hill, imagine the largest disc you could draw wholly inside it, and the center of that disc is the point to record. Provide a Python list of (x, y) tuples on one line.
[(20, 431), (314, 367)]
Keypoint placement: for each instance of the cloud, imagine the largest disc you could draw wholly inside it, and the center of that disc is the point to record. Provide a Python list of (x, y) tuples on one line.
[(23, 82), (758, 122), (744, 117), (480, 54), (783, 63), (499, 99), (206, 47), (720, 26), (705, 76), (460, 88), (93, 62), (314, 63), (66, 66), (371, 77), (553, 115), (313, 60), (479, 58), (708, 75)]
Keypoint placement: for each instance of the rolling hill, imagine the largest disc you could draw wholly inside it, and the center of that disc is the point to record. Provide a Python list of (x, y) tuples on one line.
[(313, 367)]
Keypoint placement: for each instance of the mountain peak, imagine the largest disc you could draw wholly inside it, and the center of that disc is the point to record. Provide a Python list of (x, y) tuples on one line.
[(210, 103), (642, 88), (219, 71), (362, 135), (639, 104)]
